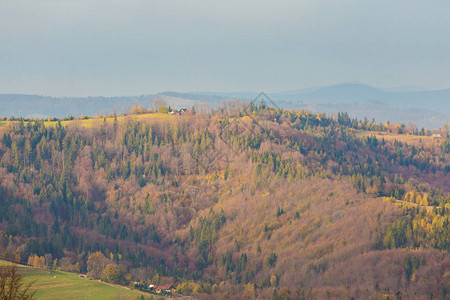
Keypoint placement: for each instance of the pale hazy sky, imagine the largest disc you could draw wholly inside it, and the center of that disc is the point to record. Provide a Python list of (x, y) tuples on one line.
[(131, 47)]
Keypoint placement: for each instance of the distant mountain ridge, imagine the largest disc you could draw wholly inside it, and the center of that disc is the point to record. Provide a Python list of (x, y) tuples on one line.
[(426, 108), (19, 105), (356, 92)]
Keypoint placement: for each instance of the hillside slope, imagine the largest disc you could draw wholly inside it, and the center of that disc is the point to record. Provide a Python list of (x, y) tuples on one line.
[(63, 285), (241, 202)]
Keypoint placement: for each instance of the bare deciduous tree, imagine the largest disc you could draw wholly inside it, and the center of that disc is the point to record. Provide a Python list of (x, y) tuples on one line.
[(12, 286)]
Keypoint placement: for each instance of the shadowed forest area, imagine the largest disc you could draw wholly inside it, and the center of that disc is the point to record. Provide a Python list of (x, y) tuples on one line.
[(241, 202)]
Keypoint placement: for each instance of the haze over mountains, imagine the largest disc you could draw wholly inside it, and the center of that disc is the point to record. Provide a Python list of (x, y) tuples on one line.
[(425, 108)]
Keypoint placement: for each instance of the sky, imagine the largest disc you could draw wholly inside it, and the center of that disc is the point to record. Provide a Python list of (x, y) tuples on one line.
[(134, 47)]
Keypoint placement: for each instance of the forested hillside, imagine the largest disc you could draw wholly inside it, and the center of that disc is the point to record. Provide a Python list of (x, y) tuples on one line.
[(242, 202)]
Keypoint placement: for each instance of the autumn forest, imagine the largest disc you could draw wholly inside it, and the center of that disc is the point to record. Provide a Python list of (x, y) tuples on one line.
[(238, 202)]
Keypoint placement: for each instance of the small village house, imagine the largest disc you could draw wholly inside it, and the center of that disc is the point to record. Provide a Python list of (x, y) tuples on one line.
[(169, 288), (436, 136)]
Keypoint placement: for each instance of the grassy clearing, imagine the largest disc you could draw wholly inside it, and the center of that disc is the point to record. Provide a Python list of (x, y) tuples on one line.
[(97, 121), (2, 123), (410, 204), (410, 139), (64, 285)]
